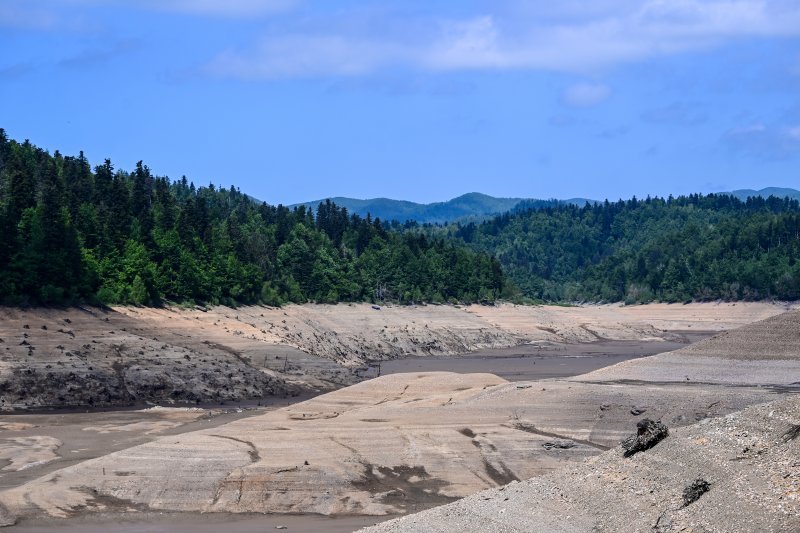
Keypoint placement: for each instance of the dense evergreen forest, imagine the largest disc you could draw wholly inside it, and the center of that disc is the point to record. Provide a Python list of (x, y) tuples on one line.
[(675, 249), (72, 234)]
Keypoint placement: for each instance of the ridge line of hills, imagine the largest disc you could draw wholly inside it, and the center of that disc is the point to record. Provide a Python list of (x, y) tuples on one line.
[(475, 205)]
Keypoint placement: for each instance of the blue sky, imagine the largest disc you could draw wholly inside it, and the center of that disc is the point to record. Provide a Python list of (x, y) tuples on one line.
[(293, 100)]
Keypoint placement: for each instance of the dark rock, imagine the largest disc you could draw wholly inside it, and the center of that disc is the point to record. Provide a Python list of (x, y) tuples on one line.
[(637, 411), (648, 434), (693, 492), (792, 433), (558, 444)]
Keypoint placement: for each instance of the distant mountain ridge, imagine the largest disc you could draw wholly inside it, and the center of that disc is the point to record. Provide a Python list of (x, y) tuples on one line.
[(476, 205), (469, 205), (780, 192)]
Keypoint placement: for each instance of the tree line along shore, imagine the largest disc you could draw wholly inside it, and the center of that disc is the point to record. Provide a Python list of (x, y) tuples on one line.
[(73, 233)]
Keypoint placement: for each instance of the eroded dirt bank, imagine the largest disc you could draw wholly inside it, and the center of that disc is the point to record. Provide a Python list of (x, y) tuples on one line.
[(125, 356), (395, 444), (764, 353), (406, 442)]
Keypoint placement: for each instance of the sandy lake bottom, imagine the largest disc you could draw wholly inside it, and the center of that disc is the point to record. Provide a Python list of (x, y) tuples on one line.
[(85, 435)]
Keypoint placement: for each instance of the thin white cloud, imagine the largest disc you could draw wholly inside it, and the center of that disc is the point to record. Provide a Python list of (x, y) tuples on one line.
[(76, 15), (15, 71), (52, 13), (305, 56), (578, 37), (614, 133), (226, 8), (22, 16), (466, 44), (676, 113), (586, 94), (765, 142), (99, 55)]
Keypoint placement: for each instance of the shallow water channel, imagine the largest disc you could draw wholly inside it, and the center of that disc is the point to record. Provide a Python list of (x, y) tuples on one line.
[(539, 361)]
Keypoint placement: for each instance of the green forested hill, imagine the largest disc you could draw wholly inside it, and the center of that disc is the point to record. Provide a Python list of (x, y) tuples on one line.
[(675, 249), (71, 233)]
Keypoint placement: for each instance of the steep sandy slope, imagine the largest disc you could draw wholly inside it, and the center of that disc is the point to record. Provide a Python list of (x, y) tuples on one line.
[(764, 353), (348, 334), (92, 357), (750, 459), (615, 321)]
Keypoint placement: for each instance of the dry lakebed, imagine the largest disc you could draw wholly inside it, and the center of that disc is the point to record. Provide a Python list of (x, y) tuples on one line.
[(334, 418)]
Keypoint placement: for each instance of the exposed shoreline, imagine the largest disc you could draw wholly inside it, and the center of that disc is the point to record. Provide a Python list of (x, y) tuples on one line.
[(128, 356), (592, 356), (387, 445), (65, 424)]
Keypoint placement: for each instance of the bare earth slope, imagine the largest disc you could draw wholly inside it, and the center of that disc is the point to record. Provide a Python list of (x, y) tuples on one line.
[(93, 357), (406, 442), (764, 353), (389, 445), (55, 358), (751, 459)]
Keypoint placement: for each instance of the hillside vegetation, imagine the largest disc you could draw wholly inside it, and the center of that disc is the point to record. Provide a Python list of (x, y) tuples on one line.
[(73, 234), (674, 249)]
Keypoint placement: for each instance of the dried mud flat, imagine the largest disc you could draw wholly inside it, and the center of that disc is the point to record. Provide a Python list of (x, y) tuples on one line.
[(32, 445), (391, 445), (403, 442)]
